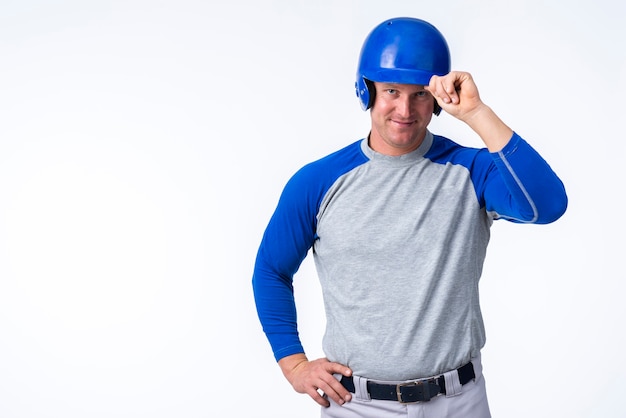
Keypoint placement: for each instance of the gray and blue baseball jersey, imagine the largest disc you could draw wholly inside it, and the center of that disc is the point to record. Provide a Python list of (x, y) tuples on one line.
[(399, 244)]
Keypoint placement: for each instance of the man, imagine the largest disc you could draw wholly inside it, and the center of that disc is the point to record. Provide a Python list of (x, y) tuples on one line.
[(399, 224)]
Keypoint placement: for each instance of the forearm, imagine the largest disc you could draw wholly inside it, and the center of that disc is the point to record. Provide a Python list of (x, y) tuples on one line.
[(525, 189), (276, 307), (491, 129)]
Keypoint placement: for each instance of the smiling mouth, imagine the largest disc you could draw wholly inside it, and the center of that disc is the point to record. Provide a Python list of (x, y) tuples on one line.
[(403, 123)]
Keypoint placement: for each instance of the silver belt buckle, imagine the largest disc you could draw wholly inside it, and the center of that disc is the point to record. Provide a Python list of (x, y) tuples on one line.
[(424, 389)]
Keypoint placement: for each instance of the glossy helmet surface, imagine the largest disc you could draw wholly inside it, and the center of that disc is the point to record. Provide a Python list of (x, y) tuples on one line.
[(402, 50)]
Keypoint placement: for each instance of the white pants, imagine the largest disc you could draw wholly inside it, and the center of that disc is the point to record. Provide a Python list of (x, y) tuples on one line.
[(470, 401)]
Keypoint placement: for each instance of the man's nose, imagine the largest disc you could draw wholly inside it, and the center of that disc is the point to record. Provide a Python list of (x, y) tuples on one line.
[(404, 106)]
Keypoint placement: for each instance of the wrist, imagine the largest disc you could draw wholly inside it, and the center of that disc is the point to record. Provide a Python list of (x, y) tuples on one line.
[(290, 363)]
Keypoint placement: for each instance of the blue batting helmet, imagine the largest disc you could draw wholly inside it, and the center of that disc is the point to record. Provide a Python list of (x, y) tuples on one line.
[(401, 50)]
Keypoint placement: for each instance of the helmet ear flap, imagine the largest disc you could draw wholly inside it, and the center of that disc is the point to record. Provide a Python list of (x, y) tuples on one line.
[(365, 91)]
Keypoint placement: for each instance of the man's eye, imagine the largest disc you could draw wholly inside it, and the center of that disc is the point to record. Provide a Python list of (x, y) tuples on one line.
[(422, 93), (391, 91)]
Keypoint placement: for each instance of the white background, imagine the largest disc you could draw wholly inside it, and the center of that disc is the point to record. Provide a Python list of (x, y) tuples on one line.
[(143, 145)]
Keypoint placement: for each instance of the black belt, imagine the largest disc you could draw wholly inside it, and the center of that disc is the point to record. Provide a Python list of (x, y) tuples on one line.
[(413, 391)]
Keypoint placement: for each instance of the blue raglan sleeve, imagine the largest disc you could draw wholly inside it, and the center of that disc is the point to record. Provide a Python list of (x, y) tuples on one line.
[(287, 239), (521, 187), (290, 234)]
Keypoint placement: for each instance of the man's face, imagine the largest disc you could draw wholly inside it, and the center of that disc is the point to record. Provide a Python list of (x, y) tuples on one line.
[(400, 115)]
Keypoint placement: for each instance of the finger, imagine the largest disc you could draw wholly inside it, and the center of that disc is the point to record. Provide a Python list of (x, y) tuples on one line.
[(336, 391), (342, 393), (454, 96), (338, 368), (433, 85), (317, 397), (439, 88), (451, 86), (334, 385)]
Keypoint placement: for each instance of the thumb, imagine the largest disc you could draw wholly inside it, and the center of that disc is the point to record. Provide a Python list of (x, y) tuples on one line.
[(339, 368)]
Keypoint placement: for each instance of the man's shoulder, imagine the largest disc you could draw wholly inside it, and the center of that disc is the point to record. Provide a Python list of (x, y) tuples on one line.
[(445, 150), (337, 162)]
